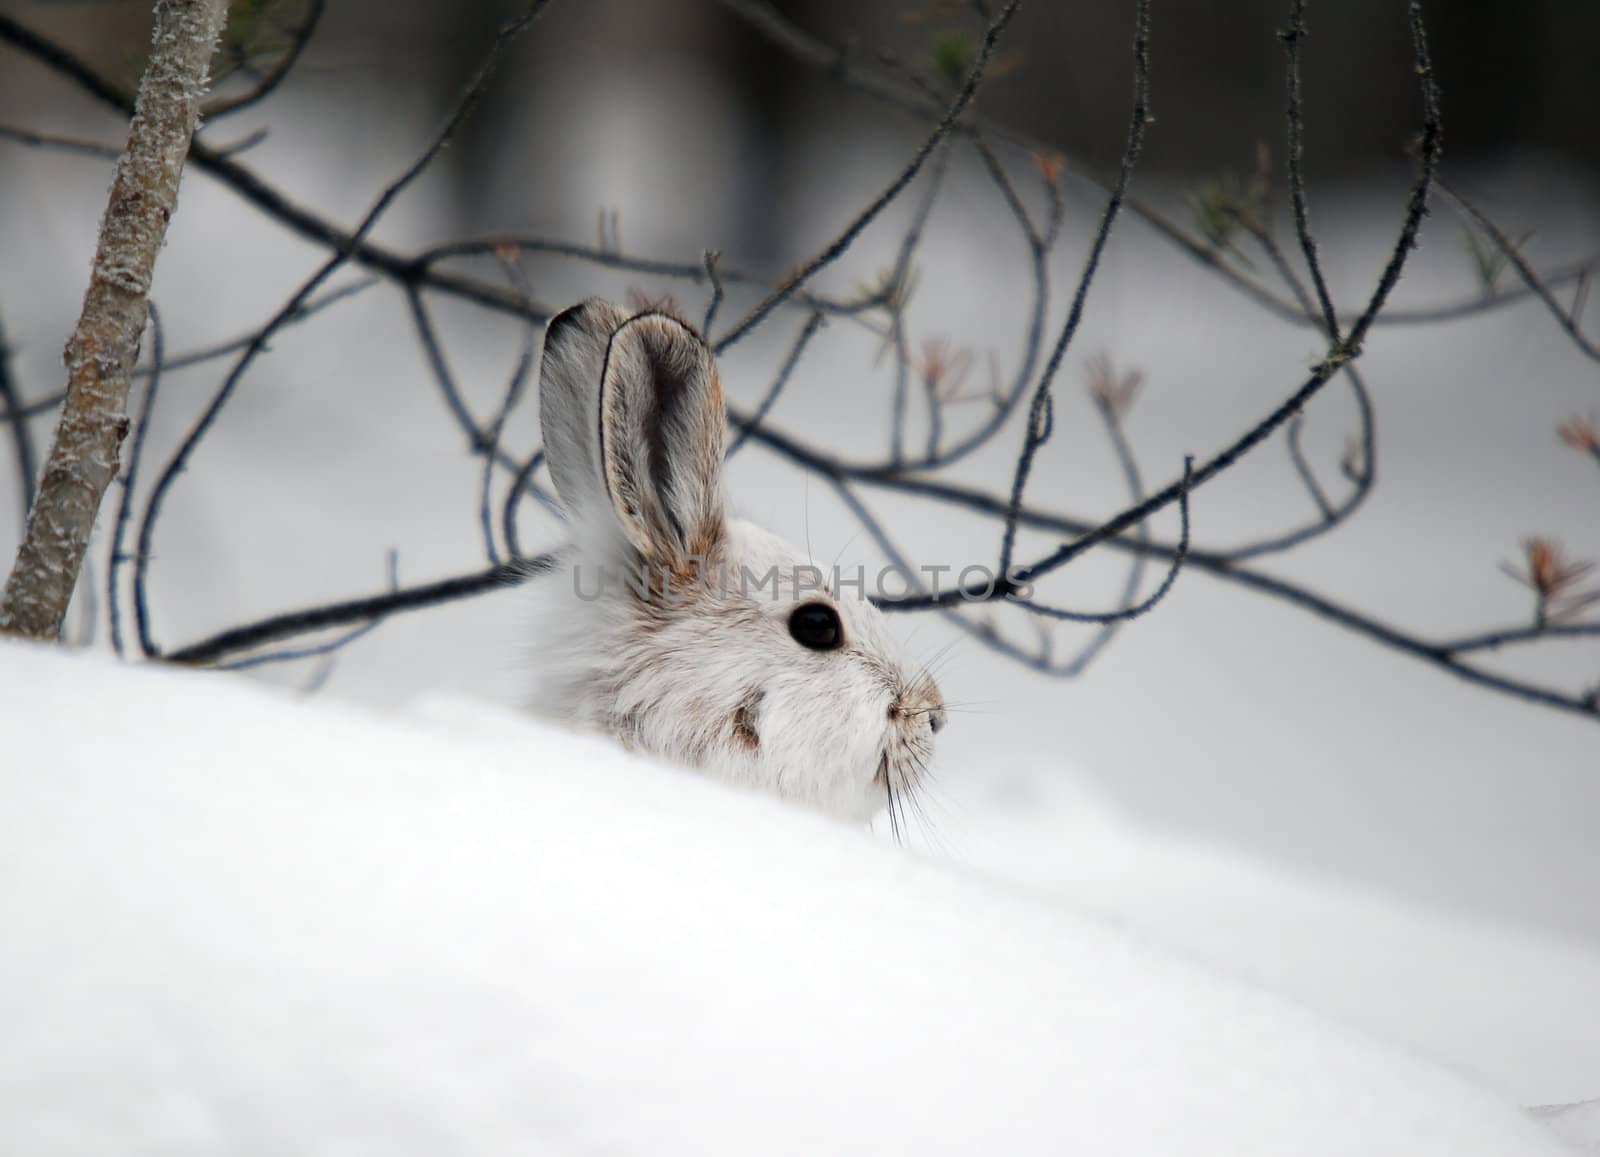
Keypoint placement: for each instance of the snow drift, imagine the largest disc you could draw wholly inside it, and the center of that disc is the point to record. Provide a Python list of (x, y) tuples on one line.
[(239, 923)]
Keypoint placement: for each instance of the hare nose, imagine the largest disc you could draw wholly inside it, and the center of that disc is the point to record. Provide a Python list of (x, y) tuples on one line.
[(928, 705)]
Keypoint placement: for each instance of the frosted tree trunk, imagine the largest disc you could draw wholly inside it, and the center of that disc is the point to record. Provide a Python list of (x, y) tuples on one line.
[(101, 354)]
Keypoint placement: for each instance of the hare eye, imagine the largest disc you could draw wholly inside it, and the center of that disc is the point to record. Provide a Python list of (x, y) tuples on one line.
[(816, 625)]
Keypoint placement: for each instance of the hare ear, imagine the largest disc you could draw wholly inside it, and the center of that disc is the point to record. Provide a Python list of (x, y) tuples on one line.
[(569, 407), (633, 421), (661, 431)]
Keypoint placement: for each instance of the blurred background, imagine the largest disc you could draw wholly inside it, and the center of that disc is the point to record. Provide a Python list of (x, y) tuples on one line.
[(1515, 84), (1223, 721)]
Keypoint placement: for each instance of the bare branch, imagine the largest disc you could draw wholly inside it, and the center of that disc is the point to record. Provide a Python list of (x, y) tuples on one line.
[(362, 610), (296, 304), (840, 244), (1112, 397), (1567, 320), (779, 380), (101, 353), (59, 143), (513, 394), (1126, 613), (1364, 476), (1036, 431), (710, 261), (521, 486), (1340, 353), (1438, 654), (125, 505), (1513, 636), (1291, 37)]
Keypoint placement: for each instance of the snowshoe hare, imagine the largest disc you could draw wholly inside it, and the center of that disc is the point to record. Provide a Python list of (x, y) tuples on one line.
[(688, 634)]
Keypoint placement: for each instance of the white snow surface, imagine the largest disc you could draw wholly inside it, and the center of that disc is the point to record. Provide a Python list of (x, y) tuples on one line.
[(1579, 1124), (237, 922)]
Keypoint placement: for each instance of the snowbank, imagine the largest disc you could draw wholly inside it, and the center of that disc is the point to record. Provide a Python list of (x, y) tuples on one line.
[(238, 923), (1505, 1005)]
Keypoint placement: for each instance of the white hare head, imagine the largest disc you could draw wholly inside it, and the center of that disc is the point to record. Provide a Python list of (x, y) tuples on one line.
[(684, 633)]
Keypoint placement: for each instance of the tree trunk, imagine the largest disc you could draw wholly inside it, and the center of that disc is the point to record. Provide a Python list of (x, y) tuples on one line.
[(102, 351)]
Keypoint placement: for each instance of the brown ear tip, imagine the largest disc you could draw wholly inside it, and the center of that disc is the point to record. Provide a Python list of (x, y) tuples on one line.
[(670, 342), (664, 306), (668, 326)]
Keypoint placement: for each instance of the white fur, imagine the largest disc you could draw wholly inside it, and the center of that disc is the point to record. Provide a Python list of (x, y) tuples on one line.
[(695, 677)]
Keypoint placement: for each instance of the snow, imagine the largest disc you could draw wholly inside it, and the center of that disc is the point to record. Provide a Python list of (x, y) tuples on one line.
[(241, 921), (1578, 1124), (1494, 1001)]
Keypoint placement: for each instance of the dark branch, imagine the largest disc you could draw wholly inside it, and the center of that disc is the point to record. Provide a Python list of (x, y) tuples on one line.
[(1291, 37), (781, 379), (130, 478), (362, 610), (1035, 433)]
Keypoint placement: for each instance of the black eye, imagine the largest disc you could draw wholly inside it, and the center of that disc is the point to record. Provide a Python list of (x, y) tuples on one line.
[(816, 625)]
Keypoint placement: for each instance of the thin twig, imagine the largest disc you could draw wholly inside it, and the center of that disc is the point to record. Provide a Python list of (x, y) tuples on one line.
[(780, 379), (210, 353), (59, 143), (900, 274), (1292, 37), (130, 479), (1308, 477), (847, 237), (1330, 515), (1126, 613), (1567, 320), (309, 309), (1512, 636), (290, 654), (433, 351), (522, 485), (279, 71), (17, 418), (513, 394), (710, 261), (1035, 432), (1008, 397), (1096, 645)]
